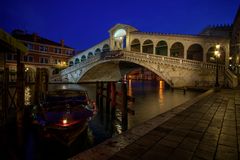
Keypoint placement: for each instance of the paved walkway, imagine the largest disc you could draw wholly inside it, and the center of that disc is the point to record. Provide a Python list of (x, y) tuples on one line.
[(206, 129)]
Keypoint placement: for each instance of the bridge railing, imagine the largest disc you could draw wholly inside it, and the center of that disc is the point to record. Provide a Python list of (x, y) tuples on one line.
[(171, 60), (81, 64), (185, 63)]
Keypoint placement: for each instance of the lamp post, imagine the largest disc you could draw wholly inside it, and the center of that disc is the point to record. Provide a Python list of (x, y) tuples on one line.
[(217, 56)]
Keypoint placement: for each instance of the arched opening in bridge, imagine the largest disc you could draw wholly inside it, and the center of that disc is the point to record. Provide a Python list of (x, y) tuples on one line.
[(97, 51), (195, 52), (177, 50), (77, 61), (90, 54), (161, 48), (142, 74), (211, 57), (147, 47), (70, 63), (135, 45), (106, 48), (83, 58), (120, 39)]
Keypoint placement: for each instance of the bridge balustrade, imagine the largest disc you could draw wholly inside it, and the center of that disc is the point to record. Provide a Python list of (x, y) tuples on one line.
[(143, 57)]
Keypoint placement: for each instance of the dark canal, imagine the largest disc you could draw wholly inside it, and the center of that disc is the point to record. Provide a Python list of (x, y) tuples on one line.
[(151, 98)]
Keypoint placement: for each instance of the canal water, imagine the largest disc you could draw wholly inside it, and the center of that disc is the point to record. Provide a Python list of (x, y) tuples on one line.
[(151, 98)]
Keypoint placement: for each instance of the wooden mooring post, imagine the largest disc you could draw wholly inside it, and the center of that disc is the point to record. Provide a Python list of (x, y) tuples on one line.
[(107, 91), (124, 107), (5, 103), (20, 90)]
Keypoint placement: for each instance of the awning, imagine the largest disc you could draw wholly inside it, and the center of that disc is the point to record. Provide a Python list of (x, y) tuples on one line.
[(10, 44)]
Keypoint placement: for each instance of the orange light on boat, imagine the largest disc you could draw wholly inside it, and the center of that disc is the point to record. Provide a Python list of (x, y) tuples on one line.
[(64, 121)]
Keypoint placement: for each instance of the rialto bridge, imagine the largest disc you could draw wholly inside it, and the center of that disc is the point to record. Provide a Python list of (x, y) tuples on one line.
[(181, 60)]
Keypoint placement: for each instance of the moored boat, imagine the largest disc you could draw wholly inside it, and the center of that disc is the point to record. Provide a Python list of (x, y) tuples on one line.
[(64, 114)]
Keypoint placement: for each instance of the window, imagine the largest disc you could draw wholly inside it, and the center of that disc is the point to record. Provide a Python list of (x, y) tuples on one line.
[(30, 59), (14, 57), (25, 58), (9, 56), (57, 50), (43, 60), (43, 48), (69, 52), (30, 46)]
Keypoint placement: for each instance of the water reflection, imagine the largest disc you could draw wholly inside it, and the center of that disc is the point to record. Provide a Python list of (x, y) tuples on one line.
[(151, 98), (27, 96), (161, 91), (130, 92)]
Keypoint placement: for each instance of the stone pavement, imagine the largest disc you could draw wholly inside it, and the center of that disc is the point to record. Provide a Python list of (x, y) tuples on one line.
[(207, 127)]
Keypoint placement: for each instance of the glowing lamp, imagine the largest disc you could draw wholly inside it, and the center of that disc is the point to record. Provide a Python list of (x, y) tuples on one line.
[(64, 121)]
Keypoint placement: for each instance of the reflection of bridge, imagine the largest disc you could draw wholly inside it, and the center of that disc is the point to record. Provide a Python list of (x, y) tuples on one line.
[(181, 60)]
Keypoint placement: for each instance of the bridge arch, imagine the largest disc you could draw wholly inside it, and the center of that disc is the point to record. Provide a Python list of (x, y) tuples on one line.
[(195, 52), (71, 63), (211, 57), (106, 48), (83, 58), (90, 54), (135, 45), (161, 48), (147, 46), (77, 61), (97, 51), (177, 50), (95, 68)]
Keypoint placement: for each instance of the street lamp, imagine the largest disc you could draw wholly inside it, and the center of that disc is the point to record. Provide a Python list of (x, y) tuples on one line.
[(217, 56)]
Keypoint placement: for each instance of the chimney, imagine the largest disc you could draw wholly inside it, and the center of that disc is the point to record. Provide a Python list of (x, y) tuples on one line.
[(62, 42), (35, 37)]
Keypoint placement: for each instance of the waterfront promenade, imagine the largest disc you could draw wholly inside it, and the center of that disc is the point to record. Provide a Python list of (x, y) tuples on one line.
[(207, 127)]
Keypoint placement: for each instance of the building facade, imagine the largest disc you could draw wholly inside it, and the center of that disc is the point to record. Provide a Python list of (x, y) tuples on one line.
[(42, 53), (235, 44)]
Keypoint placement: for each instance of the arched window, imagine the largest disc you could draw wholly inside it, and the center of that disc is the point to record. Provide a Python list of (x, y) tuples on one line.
[(90, 54), (120, 39), (106, 48), (162, 48), (211, 57), (135, 45), (83, 58), (77, 61), (177, 50), (147, 47), (97, 51), (70, 63), (195, 52)]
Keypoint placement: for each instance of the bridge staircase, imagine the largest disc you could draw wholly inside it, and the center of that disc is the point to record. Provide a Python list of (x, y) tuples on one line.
[(231, 79)]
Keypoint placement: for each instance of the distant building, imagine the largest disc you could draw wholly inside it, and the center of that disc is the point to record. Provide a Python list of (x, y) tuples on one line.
[(42, 53), (235, 43)]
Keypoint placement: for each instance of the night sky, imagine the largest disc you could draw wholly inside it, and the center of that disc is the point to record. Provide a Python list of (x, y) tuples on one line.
[(83, 23)]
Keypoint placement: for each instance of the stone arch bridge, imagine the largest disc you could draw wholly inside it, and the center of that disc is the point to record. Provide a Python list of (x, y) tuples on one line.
[(176, 72), (181, 60)]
